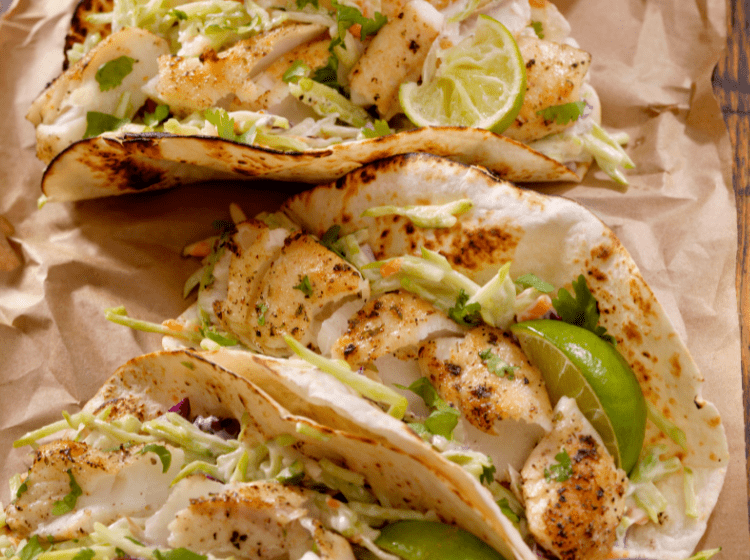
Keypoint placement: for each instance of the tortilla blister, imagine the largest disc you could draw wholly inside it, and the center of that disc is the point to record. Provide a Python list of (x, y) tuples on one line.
[(120, 164), (552, 237), (150, 385)]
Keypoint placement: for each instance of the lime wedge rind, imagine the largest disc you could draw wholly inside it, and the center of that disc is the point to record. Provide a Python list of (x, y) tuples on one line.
[(576, 363)]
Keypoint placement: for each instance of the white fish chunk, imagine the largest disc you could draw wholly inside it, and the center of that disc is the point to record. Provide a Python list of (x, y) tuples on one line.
[(576, 518), (555, 73), (59, 113), (395, 322), (193, 84), (395, 56), (114, 485), (257, 520), (461, 377), (290, 293)]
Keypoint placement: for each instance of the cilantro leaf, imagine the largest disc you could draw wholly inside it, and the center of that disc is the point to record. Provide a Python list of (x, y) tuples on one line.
[(496, 365), (304, 286), (538, 28), (110, 74), (468, 315), (346, 16), (296, 71), (488, 474), (98, 123), (328, 74), (563, 114), (443, 419), (22, 488), (68, 503), (379, 128), (560, 471), (581, 310), (160, 113), (31, 549), (222, 121), (329, 239), (162, 452), (533, 281)]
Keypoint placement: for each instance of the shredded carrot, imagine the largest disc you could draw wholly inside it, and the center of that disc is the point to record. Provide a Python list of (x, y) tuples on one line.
[(172, 325), (198, 249), (391, 267), (540, 307), (356, 30), (333, 504)]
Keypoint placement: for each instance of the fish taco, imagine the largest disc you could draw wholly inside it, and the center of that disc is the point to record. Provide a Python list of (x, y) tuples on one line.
[(157, 94), (511, 331), (175, 457)]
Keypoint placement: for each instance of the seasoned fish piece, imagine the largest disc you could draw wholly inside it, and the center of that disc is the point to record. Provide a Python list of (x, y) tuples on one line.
[(395, 56), (113, 484), (396, 321), (554, 75), (270, 88), (465, 380), (59, 113), (298, 290), (262, 520), (252, 249), (574, 518), (189, 84)]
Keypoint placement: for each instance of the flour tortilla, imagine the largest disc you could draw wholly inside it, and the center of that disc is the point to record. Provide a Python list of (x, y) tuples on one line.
[(150, 385), (557, 240)]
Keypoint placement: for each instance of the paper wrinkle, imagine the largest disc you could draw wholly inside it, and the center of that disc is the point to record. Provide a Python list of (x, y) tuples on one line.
[(652, 64)]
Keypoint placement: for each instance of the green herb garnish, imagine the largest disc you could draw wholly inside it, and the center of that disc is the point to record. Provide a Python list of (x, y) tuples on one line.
[(581, 310), (111, 74), (563, 114), (98, 123), (468, 315), (68, 503), (560, 471), (496, 365), (305, 287)]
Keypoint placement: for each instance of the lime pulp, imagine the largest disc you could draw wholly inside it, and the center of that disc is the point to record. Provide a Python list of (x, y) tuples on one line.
[(430, 540)]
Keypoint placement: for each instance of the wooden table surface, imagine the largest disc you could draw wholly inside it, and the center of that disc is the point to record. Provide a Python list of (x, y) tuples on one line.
[(732, 89)]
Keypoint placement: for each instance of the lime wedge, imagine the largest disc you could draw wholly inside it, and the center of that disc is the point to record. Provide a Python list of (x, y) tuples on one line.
[(430, 540), (480, 83), (578, 364)]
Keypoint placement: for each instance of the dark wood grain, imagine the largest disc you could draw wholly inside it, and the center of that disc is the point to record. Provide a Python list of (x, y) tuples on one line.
[(732, 89)]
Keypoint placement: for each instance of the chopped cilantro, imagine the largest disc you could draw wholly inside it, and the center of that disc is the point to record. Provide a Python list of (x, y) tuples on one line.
[(330, 237), (179, 14), (443, 419), (188, 365), (296, 71), (496, 365), (162, 452), (346, 16), (222, 121), (304, 286), (468, 315), (261, 309), (111, 74), (160, 113), (538, 28), (563, 114), (31, 549), (379, 128), (488, 474), (533, 281), (328, 74), (560, 471), (507, 512), (581, 310), (68, 503), (98, 123)]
